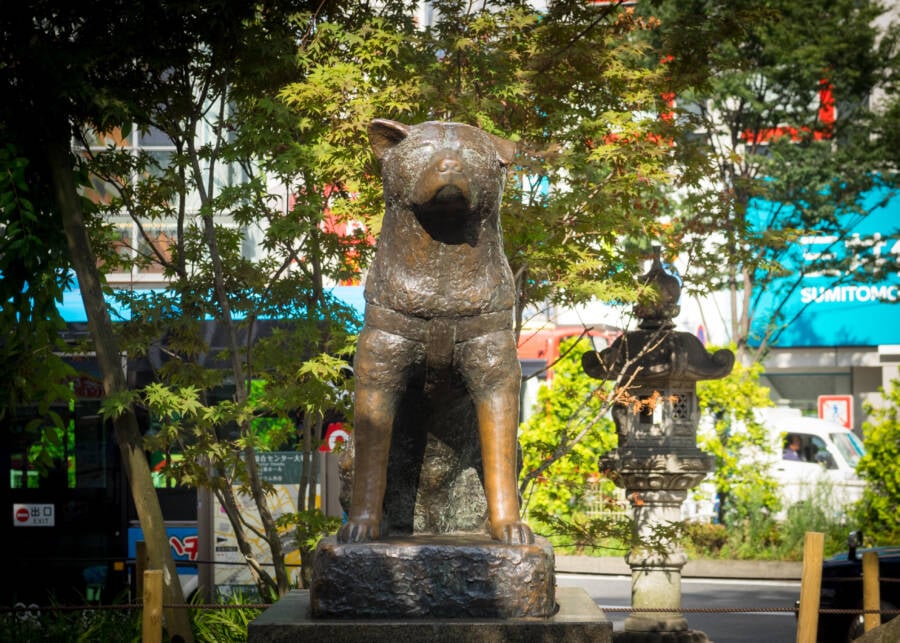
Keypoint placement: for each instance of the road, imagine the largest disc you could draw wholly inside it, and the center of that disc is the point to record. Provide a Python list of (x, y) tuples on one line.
[(708, 594)]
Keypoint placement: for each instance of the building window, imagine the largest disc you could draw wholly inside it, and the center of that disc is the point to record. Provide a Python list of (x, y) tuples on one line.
[(144, 247)]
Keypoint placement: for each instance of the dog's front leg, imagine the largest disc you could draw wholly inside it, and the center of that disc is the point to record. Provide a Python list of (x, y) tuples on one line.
[(373, 422), (491, 369), (381, 368), (497, 420)]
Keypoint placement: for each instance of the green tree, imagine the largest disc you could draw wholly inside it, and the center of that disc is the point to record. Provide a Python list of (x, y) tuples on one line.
[(743, 487), (56, 58), (570, 85), (563, 439), (285, 335), (876, 513), (780, 98), (34, 273)]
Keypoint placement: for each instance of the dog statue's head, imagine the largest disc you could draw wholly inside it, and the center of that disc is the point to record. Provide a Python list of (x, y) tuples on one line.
[(446, 173)]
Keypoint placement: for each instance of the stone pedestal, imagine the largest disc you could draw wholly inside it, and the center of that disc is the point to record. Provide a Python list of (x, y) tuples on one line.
[(684, 636), (656, 486), (577, 620), (439, 576), (460, 588), (656, 584)]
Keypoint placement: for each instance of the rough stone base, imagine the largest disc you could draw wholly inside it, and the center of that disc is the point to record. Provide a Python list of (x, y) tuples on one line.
[(445, 576), (685, 636), (578, 620)]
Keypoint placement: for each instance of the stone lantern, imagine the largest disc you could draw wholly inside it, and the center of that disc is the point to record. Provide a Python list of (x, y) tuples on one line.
[(657, 461)]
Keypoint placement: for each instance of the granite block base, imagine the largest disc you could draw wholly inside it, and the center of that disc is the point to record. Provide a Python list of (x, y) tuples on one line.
[(577, 620), (433, 576), (685, 636)]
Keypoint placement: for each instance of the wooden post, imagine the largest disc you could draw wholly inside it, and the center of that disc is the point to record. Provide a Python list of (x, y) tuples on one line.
[(810, 587), (151, 623), (871, 591)]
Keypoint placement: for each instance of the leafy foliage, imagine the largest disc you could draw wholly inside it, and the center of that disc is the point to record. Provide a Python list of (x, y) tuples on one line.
[(562, 441), (743, 486), (34, 274), (308, 528), (228, 623), (779, 98), (876, 514), (759, 537), (250, 353), (610, 534), (70, 625), (566, 85)]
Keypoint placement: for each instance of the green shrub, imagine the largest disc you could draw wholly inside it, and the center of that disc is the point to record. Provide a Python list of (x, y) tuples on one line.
[(36, 626), (224, 625), (815, 514), (753, 533), (877, 513), (703, 539), (562, 442), (226, 622)]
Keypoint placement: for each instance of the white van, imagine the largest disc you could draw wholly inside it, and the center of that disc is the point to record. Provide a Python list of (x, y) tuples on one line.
[(828, 454), (825, 472)]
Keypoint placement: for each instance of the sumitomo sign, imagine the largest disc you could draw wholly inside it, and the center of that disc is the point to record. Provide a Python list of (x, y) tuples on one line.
[(848, 294), (830, 309)]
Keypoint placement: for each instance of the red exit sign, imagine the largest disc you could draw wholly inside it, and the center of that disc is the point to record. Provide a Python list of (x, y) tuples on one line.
[(32, 515)]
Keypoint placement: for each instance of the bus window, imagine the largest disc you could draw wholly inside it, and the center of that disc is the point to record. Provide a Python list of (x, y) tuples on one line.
[(89, 453), (73, 457)]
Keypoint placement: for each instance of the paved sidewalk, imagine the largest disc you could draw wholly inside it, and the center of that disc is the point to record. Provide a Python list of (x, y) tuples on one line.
[(703, 568)]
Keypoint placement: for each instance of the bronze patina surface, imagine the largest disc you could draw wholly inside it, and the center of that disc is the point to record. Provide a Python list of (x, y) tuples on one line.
[(437, 375)]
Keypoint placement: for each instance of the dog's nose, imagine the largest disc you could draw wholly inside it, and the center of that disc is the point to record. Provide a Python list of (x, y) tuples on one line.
[(449, 164)]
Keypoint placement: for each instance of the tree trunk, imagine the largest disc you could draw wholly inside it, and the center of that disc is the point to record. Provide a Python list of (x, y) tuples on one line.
[(127, 433), (273, 538), (265, 585), (241, 390)]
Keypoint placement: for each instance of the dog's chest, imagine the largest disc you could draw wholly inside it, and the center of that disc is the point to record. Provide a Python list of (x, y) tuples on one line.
[(416, 274)]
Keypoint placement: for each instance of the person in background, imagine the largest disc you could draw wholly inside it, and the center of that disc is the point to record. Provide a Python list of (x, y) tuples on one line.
[(792, 448)]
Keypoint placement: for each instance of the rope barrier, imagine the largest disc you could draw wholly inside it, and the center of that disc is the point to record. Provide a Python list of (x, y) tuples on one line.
[(745, 610), (627, 610), (126, 606), (857, 579)]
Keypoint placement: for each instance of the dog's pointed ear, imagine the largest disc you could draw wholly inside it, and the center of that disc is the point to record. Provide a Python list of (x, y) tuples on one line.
[(385, 134), (506, 149)]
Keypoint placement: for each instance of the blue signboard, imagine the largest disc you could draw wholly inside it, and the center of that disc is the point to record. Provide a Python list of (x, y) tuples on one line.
[(183, 540), (828, 308), (72, 307)]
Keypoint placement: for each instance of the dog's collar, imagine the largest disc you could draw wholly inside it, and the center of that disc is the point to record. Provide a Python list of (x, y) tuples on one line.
[(420, 329)]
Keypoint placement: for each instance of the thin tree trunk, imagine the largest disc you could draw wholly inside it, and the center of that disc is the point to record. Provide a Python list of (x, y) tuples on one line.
[(241, 391), (127, 433), (242, 385), (264, 582), (268, 522)]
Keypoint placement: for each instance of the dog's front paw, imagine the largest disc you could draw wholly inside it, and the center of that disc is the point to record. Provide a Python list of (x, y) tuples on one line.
[(515, 533), (358, 531)]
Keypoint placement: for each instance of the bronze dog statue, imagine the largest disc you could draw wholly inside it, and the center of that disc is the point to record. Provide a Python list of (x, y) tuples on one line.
[(438, 325)]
